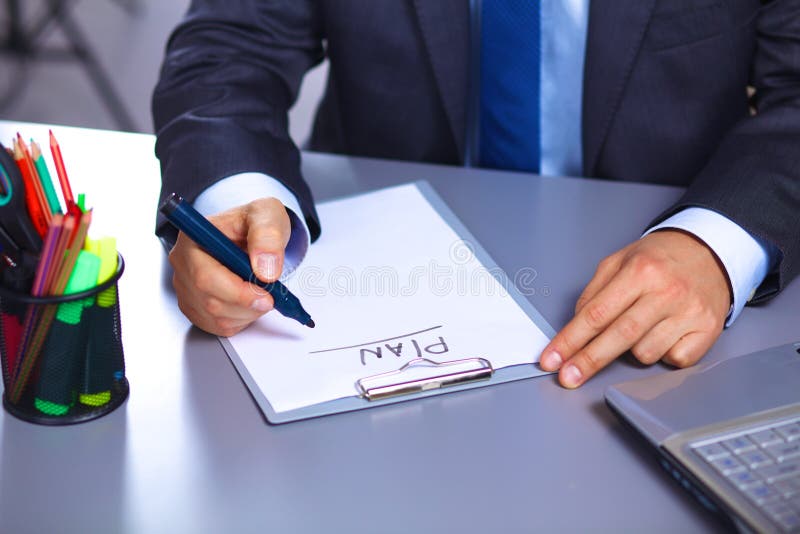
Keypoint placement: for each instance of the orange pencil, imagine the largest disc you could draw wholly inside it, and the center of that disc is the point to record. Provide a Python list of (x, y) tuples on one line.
[(66, 190), (69, 226), (76, 242), (33, 192)]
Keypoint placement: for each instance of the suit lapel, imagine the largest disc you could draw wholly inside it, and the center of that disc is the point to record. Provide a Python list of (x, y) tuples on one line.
[(616, 30), (444, 25)]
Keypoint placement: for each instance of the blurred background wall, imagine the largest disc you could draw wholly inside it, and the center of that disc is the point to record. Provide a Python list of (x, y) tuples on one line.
[(127, 38)]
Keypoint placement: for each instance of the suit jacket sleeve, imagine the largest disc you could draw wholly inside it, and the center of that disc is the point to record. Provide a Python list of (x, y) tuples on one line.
[(231, 72), (754, 176)]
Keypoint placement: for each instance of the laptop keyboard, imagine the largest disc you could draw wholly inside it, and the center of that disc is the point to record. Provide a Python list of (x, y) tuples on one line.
[(764, 464)]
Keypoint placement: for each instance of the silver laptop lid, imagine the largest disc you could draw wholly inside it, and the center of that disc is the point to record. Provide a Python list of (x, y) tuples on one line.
[(678, 401)]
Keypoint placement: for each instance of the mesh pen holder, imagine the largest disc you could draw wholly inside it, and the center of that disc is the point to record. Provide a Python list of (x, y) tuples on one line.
[(62, 357)]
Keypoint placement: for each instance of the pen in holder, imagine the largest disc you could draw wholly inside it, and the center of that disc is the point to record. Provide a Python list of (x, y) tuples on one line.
[(62, 357)]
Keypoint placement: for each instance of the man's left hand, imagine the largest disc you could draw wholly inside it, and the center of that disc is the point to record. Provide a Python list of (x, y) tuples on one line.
[(663, 297)]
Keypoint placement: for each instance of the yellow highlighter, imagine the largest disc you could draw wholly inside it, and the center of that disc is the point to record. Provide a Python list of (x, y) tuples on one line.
[(104, 351)]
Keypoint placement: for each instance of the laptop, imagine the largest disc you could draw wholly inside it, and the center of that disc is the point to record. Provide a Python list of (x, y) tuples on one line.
[(728, 432)]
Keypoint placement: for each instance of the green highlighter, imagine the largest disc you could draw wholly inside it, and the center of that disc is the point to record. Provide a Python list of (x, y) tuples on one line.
[(62, 355), (104, 353)]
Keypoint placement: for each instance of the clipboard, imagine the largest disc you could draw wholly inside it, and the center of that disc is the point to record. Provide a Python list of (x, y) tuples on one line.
[(421, 377)]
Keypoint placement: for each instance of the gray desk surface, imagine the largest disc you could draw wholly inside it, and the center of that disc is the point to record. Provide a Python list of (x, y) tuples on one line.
[(190, 452)]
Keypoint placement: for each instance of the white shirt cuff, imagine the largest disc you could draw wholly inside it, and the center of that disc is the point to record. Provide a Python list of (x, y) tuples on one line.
[(746, 260), (242, 188)]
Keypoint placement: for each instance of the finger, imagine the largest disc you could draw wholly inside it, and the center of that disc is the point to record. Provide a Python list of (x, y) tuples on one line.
[(196, 316), (228, 298), (655, 344), (618, 337), (178, 254), (268, 231), (212, 297), (217, 327), (593, 318), (204, 275), (689, 349), (191, 262), (606, 270), (232, 223)]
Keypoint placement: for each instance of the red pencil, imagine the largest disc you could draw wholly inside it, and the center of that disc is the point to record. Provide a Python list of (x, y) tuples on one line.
[(33, 192), (40, 194), (66, 190)]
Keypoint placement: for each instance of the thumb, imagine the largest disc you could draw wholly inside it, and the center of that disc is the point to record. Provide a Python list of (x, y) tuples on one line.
[(268, 231)]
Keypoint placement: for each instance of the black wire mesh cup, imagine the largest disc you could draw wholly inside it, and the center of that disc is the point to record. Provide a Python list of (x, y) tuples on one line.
[(62, 357)]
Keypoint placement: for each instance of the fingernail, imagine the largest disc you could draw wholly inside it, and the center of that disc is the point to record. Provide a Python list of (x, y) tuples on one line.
[(267, 266), (572, 376), (261, 305), (551, 361)]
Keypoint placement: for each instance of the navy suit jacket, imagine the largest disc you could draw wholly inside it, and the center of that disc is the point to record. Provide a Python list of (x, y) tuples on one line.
[(665, 98)]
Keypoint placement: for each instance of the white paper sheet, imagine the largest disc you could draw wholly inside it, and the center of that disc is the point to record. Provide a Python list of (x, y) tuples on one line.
[(388, 281)]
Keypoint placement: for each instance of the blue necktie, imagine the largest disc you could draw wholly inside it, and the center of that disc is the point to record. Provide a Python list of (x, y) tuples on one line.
[(509, 92)]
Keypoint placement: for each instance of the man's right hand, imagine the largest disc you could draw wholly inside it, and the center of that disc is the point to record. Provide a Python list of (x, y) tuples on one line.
[(211, 296)]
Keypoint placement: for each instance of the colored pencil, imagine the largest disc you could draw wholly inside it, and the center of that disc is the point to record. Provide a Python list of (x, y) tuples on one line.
[(69, 226), (33, 192), (66, 190), (49, 255), (76, 243), (27, 362), (46, 262), (41, 196), (44, 176)]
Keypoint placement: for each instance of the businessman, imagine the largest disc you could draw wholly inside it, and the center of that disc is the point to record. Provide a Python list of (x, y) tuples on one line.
[(631, 90)]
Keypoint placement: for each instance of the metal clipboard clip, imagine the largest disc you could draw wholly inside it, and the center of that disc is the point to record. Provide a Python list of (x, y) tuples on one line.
[(455, 372)]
